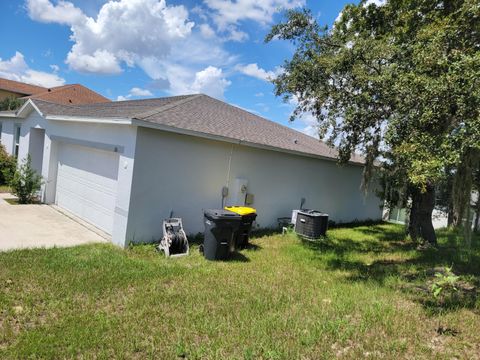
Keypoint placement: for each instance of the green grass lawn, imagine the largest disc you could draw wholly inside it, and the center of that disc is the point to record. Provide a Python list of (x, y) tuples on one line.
[(363, 292)]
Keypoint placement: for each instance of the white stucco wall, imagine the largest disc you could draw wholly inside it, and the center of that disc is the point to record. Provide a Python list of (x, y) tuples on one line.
[(185, 174), (109, 134), (6, 137)]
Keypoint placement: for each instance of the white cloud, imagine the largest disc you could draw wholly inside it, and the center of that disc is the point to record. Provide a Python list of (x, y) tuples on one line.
[(338, 18), (309, 124), (151, 34), (374, 2), (135, 92), (55, 68), (140, 92), (100, 62), (122, 32), (257, 72), (210, 81), (62, 13), (200, 12), (310, 130), (259, 94), (233, 34), (306, 123), (227, 12), (17, 69), (206, 31)]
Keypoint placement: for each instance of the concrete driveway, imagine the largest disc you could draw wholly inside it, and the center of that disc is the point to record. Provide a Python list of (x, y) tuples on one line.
[(34, 226)]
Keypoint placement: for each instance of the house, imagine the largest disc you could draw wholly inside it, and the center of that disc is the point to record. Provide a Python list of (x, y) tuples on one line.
[(124, 166), (399, 215), (10, 88), (66, 94)]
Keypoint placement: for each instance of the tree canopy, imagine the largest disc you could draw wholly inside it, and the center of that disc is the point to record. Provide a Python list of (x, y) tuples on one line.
[(397, 82), (10, 103)]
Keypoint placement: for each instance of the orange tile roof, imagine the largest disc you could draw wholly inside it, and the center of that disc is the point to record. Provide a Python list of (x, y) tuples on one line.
[(71, 94), (74, 94), (20, 87)]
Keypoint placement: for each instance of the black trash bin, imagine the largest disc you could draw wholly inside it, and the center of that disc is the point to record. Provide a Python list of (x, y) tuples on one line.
[(248, 215), (220, 228), (311, 224)]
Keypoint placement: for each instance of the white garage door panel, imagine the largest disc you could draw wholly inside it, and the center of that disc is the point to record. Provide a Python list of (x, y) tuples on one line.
[(87, 183)]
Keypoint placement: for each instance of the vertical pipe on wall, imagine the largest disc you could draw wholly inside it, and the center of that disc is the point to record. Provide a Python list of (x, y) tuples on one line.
[(229, 166), (228, 176)]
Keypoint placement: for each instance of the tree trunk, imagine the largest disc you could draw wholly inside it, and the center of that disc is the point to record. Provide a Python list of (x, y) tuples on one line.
[(413, 226), (450, 213), (462, 188), (468, 228), (420, 224)]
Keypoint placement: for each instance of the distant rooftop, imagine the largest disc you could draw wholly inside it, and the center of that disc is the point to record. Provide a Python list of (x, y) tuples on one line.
[(20, 87), (66, 94)]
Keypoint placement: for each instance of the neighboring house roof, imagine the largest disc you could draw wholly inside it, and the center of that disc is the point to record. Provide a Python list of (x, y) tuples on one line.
[(74, 94), (20, 87), (66, 94), (200, 114)]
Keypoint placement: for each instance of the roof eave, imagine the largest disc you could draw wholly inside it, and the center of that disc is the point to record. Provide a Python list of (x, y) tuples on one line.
[(26, 108), (7, 114), (90, 119)]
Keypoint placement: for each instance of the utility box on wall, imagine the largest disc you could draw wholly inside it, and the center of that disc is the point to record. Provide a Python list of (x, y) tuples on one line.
[(239, 191)]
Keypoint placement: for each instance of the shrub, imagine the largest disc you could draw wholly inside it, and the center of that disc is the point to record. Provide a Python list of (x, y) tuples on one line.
[(445, 282), (26, 182), (8, 165), (10, 104)]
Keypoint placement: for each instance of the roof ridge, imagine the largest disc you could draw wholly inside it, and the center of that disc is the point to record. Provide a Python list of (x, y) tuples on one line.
[(11, 85), (55, 88), (48, 91), (144, 115)]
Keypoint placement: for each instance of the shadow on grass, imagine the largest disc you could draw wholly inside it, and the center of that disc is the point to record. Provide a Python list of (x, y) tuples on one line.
[(237, 257), (264, 232), (382, 234), (391, 242), (252, 247), (362, 259)]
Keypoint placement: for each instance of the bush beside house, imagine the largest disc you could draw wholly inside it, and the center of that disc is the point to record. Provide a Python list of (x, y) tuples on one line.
[(7, 166), (26, 182)]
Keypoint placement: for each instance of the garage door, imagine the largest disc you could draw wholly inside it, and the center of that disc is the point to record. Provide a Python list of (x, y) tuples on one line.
[(87, 183)]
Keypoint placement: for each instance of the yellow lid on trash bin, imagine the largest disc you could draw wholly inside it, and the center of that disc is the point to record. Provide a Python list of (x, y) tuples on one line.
[(241, 210)]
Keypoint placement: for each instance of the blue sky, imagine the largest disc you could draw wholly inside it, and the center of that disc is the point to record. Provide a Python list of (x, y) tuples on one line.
[(129, 49)]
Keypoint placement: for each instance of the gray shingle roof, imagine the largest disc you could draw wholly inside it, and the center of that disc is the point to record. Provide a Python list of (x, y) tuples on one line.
[(115, 109), (204, 115)]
